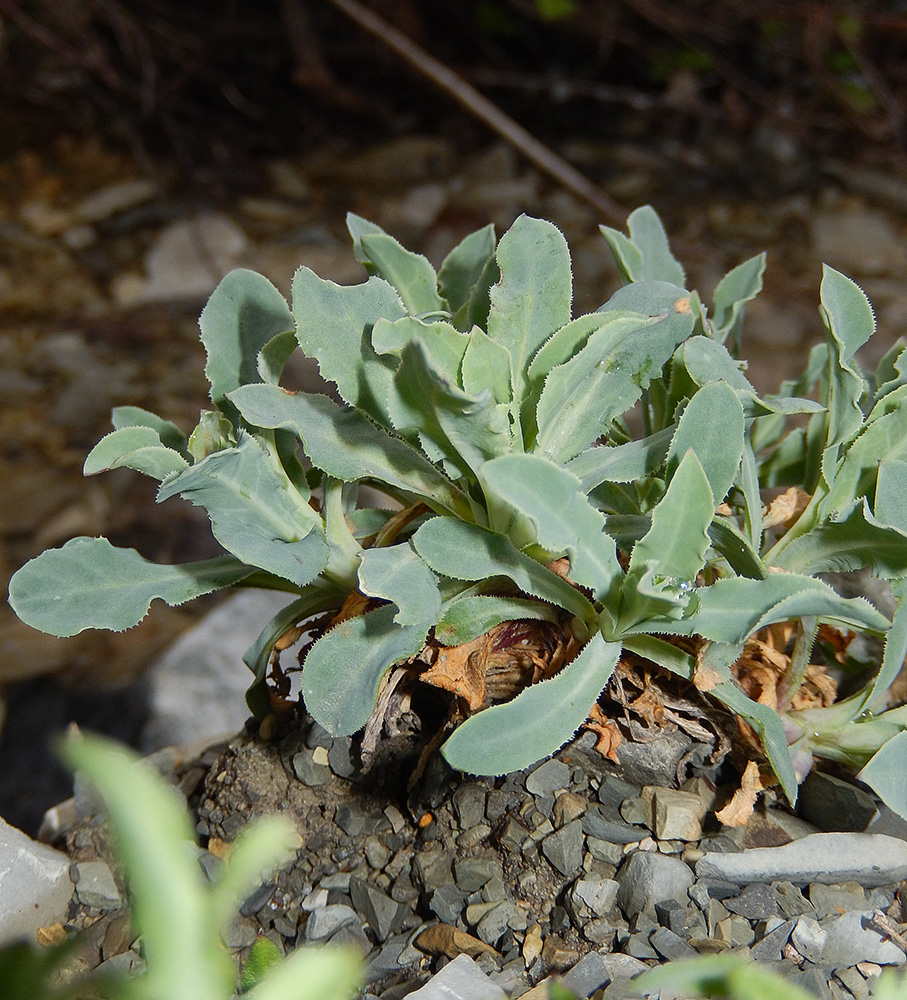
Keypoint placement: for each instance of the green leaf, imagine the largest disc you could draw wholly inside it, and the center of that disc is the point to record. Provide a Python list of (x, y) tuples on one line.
[(602, 381), (410, 273), (138, 448), (273, 357), (88, 583), (255, 512), (736, 288), (465, 551), (466, 618), (263, 958), (186, 961), (743, 559), (720, 976), (732, 609), (397, 574), (540, 720), (890, 504), (623, 463), (675, 546), (486, 366), (770, 727), (135, 416), (853, 539), (458, 429), (244, 312), (564, 520), (564, 343), (850, 322), (334, 325), (464, 266), (347, 445), (646, 256), (885, 774), (344, 668), (532, 299), (442, 343), (214, 432), (712, 424), (333, 973)]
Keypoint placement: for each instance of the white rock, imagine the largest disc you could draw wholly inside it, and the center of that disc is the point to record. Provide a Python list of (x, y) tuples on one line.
[(190, 257), (198, 686), (851, 938), (35, 887), (460, 979), (674, 815), (829, 858)]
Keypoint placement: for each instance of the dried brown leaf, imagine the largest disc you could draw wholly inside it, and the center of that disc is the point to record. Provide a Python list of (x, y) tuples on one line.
[(608, 737), (738, 811), (445, 939), (786, 508), (461, 670)]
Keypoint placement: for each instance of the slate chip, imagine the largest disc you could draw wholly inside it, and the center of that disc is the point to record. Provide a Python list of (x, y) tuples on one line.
[(564, 847), (757, 902)]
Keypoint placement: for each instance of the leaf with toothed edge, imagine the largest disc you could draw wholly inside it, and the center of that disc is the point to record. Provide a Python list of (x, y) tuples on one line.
[(539, 721)]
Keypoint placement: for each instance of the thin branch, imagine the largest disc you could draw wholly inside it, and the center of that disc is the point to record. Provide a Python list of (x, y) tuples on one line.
[(485, 110)]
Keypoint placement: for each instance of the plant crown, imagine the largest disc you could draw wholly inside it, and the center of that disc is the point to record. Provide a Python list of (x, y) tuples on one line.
[(506, 427)]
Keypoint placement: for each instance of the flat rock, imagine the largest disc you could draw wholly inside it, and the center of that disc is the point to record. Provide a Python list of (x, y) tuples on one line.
[(548, 778), (564, 847), (851, 938), (870, 859), (35, 887), (460, 979), (647, 878), (96, 887), (835, 805)]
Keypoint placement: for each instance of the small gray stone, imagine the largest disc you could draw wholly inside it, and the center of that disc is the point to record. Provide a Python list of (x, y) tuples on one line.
[(472, 873), (497, 920), (835, 805), (447, 902), (377, 853), (870, 859), (598, 895), (851, 938), (383, 914), (308, 771), (355, 820), (512, 835), (350, 934), (623, 966), (240, 932), (318, 736), (253, 903), (340, 758), (791, 900), (647, 878), (768, 948), (588, 975), (473, 836), (548, 778), (324, 921), (810, 939), (564, 847), (212, 865), (829, 900), (602, 823), (95, 886), (460, 979), (635, 811), (756, 902), (669, 945), (469, 804), (613, 790), (605, 850)]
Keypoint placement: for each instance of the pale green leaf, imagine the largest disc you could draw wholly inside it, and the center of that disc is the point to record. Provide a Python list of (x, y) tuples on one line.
[(532, 299), (273, 357), (466, 618), (705, 360), (623, 463), (397, 574), (349, 446), (729, 541), (255, 512), (459, 429), (736, 288), (650, 258), (712, 424), (135, 416), (890, 503), (334, 325), (213, 432), (464, 266), (564, 343), (486, 365), (544, 716), (727, 976), (675, 546), (770, 727), (443, 343), (88, 583), (732, 609), (410, 273), (244, 312), (602, 381), (332, 973), (344, 668), (466, 551), (134, 447), (167, 894), (563, 518), (885, 774)]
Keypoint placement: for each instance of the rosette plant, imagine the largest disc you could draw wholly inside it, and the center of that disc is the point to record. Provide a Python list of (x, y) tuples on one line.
[(569, 497)]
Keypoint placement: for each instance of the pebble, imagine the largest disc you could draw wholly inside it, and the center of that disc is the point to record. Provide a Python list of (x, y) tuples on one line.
[(460, 979), (870, 859), (835, 805), (648, 878), (325, 921), (548, 778), (472, 873), (672, 814), (564, 847)]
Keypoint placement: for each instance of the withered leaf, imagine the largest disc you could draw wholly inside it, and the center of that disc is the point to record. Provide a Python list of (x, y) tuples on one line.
[(445, 939), (738, 811), (786, 508)]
